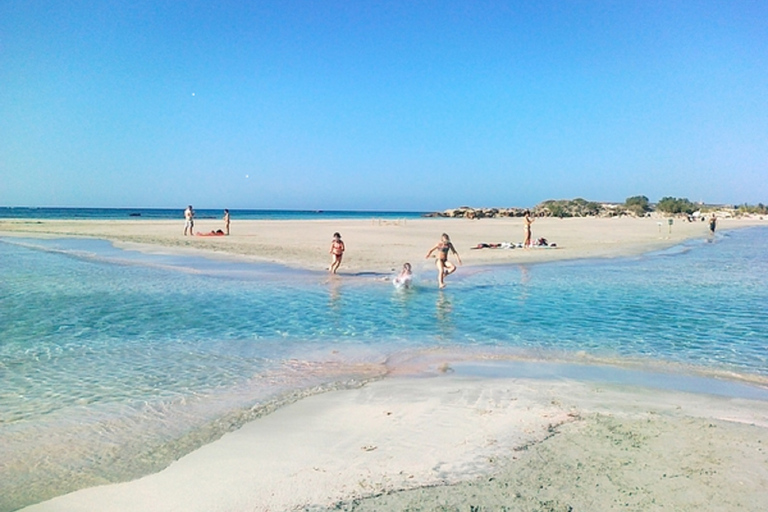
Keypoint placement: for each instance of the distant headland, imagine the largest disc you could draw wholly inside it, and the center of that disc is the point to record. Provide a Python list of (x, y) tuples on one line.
[(636, 206)]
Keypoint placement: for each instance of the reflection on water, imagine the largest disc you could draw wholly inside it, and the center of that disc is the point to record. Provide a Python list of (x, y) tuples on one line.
[(334, 294), (525, 276), (402, 303), (525, 279), (444, 314)]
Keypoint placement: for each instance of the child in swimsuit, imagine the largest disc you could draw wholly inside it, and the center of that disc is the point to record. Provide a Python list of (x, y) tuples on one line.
[(405, 277), (337, 250), (444, 267)]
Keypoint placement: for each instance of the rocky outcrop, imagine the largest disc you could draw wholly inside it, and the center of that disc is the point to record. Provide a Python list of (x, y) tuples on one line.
[(551, 208), (468, 212)]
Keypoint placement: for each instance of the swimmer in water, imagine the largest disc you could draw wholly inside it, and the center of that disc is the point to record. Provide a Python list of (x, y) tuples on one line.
[(405, 277), (337, 250), (444, 267)]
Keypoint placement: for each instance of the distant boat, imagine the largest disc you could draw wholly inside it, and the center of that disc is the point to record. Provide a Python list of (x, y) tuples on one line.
[(134, 215)]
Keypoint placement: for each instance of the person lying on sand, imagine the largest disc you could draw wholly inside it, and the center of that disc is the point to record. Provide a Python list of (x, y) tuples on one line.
[(541, 242), (486, 246), (218, 232)]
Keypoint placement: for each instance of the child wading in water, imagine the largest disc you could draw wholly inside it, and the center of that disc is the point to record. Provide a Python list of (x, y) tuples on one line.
[(444, 267), (403, 280), (337, 250)]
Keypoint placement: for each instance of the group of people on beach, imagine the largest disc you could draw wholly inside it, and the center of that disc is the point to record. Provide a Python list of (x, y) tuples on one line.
[(337, 249), (189, 224), (442, 248)]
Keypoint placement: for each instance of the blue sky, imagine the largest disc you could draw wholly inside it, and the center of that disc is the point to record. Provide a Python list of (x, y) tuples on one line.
[(421, 105)]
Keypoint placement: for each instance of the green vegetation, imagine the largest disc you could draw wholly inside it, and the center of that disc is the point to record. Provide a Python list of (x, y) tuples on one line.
[(747, 209), (637, 205), (675, 205), (568, 208)]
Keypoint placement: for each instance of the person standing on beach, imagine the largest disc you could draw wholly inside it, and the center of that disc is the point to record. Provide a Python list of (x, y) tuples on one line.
[(189, 220), (337, 250), (527, 221), (712, 224), (444, 267), (226, 222)]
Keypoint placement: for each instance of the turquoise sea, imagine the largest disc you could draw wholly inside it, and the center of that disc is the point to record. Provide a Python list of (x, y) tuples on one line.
[(114, 363), (20, 212)]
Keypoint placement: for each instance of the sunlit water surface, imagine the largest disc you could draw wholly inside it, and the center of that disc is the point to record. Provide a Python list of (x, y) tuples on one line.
[(114, 363)]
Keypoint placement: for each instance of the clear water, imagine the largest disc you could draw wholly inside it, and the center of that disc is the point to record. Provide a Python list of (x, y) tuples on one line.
[(114, 363)]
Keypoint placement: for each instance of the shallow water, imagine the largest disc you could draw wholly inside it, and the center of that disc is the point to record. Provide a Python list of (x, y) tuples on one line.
[(114, 363)]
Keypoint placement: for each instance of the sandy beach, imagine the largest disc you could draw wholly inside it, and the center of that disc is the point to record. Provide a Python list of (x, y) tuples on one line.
[(378, 245), (443, 436)]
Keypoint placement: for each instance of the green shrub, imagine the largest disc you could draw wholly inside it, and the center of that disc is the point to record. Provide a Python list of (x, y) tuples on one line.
[(674, 205), (638, 205)]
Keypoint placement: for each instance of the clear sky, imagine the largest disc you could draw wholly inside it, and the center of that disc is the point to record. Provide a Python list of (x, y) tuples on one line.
[(382, 105)]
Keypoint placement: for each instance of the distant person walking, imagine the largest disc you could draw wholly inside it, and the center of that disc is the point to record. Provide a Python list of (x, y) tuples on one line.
[(226, 221), (444, 267), (189, 220), (527, 221), (337, 251), (712, 224)]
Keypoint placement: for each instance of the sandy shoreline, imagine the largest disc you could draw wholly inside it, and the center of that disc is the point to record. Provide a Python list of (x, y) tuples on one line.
[(461, 442), (450, 440), (383, 246)]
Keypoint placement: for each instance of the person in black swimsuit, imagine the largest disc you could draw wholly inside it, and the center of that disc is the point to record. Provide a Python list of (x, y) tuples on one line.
[(444, 267)]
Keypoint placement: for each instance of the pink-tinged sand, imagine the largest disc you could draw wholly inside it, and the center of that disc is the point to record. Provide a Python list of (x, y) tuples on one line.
[(406, 433)]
